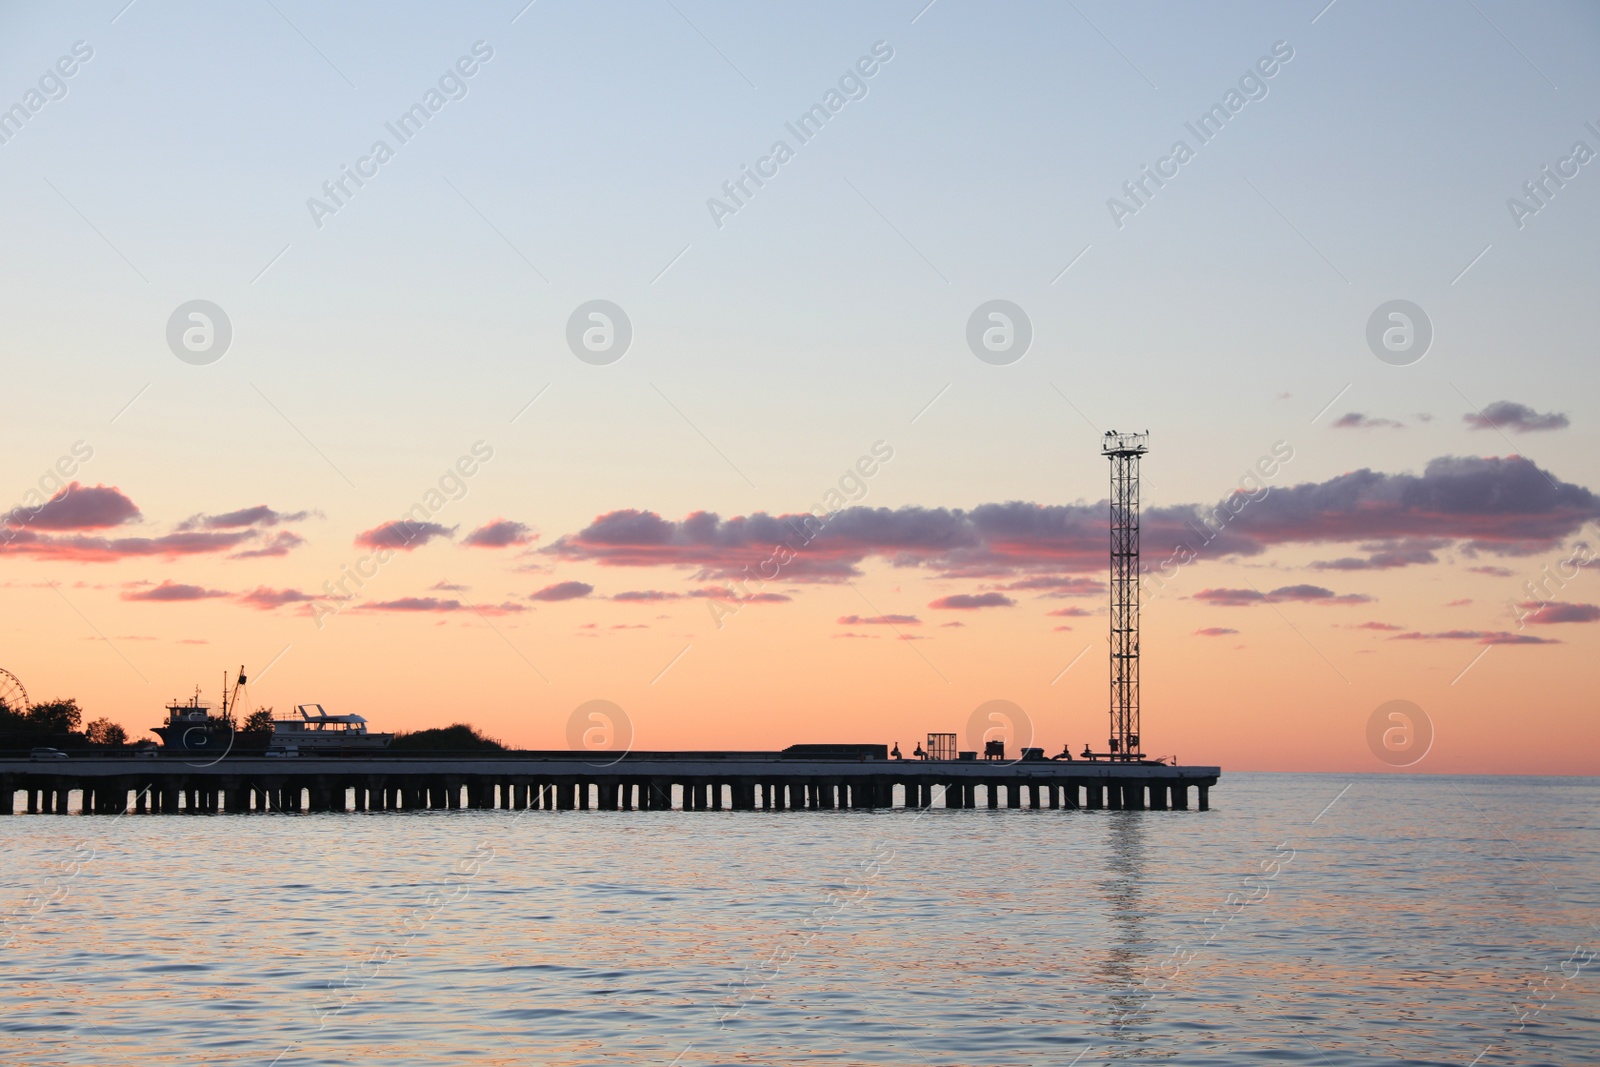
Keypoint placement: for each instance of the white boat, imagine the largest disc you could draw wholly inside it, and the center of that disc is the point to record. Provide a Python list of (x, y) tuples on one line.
[(317, 731)]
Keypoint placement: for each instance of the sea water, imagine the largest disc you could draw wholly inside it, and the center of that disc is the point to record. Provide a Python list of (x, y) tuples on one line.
[(1316, 919)]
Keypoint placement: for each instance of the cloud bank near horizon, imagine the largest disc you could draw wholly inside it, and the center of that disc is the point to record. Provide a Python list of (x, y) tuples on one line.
[(1498, 506)]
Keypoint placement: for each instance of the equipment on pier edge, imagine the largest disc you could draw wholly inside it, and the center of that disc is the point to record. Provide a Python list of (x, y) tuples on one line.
[(1124, 450)]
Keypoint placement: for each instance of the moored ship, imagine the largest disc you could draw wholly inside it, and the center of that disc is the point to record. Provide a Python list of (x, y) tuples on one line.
[(191, 727), (317, 731)]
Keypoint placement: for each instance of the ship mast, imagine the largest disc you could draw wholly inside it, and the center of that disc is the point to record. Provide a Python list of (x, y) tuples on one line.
[(238, 685)]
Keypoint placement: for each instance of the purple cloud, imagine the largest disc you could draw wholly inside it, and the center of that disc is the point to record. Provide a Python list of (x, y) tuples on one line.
[(1506, 506), (562, 591), (171, 592), (1355, 420), (279, 544), (501, 533), (1308, 594), (260, 515), (1518, 418), (1482, 637), (1551, 612), (265, 599), (971, 601), (403, 534), (78, 507)]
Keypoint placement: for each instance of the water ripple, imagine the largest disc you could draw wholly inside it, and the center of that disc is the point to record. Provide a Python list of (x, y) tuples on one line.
[(1418, 921)]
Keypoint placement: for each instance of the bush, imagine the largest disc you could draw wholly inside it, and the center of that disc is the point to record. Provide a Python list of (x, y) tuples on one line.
[(456, 738)]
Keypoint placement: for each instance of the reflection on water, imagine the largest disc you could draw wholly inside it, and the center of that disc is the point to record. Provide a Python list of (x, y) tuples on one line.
[(1125, 959), (1420, 920)]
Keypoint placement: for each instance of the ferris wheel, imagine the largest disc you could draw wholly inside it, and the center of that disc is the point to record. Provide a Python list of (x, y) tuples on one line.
[(12, 693)]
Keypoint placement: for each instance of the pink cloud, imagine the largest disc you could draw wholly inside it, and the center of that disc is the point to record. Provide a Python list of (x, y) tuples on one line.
[(1551, 612), (1215, 631), (1305, 594), (83, 548), (718, 592), (1482, 637), (1384, 626), (426, 604), (279, 544), (1069, 613), (501, 533), (169, 592), (879, 620), (1505, 505), (971, 601), (265, 599), (403, 534), (78, 507), (260, 515), (562, 591)]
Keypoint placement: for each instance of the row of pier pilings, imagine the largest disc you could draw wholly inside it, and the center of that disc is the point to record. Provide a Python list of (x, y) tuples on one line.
[(201, 794)]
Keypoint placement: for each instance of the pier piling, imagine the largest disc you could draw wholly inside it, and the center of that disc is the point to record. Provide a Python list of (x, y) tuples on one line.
[(561, 782)]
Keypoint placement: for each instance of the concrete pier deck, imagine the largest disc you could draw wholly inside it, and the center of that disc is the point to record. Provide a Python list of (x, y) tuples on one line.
[(635, 781)]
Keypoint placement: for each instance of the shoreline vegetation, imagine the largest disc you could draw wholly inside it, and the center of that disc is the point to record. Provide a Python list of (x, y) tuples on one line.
[(59, 724)]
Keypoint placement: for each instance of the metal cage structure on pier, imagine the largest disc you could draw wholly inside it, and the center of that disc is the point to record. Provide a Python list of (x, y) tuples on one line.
[(1124, 450)]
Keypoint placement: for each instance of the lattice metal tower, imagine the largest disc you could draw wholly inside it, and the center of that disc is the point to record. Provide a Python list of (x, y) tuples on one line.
[(1124, 450)]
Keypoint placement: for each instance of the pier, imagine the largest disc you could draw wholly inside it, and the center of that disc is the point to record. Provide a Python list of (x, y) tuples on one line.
[(578, 781)]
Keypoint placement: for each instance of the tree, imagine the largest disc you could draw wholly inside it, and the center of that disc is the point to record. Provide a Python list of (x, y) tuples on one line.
[(56, 716), (105, 732), (459, 737), (258, 724)]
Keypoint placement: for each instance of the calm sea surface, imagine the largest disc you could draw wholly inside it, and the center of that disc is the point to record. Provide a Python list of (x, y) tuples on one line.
[(1305, 919)]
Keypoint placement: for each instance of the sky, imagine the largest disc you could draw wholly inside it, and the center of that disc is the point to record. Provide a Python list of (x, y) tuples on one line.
[(399, 219)]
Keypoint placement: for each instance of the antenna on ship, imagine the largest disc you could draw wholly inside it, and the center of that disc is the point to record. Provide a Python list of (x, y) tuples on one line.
[(1124, 450)]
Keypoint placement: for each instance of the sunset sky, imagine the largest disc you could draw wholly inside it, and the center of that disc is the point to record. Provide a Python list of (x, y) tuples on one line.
[(580, 528)]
